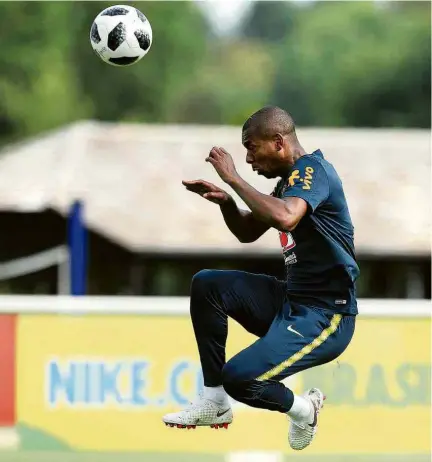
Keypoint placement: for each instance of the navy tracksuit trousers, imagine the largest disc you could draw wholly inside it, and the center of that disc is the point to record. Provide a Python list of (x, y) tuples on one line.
[(292, 335)]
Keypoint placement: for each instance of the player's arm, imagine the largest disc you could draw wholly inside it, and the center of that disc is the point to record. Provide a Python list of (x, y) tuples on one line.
[(245, 227), (282, 214), (307, 188)]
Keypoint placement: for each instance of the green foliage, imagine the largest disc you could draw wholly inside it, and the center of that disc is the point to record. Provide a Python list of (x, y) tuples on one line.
[(271, 21), (358, 65), (227, 88), (145, 91), (329, 63), (38, 86)]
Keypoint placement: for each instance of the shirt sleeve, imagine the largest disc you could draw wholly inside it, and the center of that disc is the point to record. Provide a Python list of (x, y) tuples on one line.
[(308, 180)]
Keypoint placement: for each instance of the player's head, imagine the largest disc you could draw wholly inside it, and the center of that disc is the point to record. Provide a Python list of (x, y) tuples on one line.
[(270, 139)]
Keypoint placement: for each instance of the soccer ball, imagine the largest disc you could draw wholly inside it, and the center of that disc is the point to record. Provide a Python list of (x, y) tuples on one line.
[(121, 35)]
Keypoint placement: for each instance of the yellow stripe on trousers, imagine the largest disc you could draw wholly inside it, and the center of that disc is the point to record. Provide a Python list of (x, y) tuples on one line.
[(325, 334)]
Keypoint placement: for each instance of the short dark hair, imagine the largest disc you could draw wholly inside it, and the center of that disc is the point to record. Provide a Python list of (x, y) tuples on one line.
[(268, 121)]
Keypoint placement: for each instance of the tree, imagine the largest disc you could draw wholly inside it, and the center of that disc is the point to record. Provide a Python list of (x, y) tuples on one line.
[(233, 82), (145, 91), (357, 65), (270, 21), (38, 84), (51, 76)]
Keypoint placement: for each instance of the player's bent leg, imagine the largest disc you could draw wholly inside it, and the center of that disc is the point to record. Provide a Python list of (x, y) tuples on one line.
[(252, 300), (294, 342), (268, 394), (331, 344)]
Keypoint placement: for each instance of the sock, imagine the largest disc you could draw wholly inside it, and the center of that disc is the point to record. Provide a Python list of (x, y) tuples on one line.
[(301, 410), (216, 394)]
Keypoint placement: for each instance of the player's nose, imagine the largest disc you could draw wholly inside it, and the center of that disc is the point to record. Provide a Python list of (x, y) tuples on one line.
[(249, 158)]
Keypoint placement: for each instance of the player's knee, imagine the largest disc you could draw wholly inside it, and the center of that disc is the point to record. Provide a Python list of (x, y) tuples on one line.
[(204, 281), (200, 288), (233, 382)]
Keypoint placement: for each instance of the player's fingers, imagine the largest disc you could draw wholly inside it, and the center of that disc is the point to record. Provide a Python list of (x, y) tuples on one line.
[(214, 196), (198, 188), (214, 152), (200, 193), (193, 188), (196, 184), (193, 191), (192, 182)]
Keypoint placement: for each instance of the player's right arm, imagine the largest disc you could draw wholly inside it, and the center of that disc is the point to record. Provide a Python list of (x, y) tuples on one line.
[(242, 223), (244, 226)]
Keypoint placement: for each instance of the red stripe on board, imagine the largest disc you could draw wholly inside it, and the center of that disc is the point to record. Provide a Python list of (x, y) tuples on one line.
[(7, 370)]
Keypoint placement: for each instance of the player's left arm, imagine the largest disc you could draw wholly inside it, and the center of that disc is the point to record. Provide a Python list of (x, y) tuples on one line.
[(282, 214), (307, 187)]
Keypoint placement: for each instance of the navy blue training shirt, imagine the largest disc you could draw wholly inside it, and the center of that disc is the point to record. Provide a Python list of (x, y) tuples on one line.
[(319, 253)]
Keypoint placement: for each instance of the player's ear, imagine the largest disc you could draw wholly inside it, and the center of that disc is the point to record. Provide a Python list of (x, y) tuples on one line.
[(278, 139)]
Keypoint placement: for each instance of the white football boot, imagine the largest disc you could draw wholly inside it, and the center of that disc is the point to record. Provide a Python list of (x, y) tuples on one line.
[(202, 413), (301, 433)]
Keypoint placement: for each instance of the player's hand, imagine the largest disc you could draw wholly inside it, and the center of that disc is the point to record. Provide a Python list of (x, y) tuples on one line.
[(207, 190), (223, 164)]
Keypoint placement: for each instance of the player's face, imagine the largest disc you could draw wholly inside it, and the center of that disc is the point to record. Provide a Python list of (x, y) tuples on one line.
[(263, 155)]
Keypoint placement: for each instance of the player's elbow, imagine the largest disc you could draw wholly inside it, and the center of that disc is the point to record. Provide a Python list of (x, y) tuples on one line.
[(287, 225), (244, 239), (289, 216), (287, 222), (247, 236)]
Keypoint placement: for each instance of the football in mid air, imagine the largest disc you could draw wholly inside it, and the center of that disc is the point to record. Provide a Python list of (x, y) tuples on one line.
[(121, 35)]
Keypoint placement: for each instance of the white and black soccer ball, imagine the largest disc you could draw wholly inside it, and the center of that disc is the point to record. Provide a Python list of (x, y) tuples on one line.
[(121, 35)]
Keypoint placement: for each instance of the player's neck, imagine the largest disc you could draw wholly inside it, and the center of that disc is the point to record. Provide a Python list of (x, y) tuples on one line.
[(297, 152)]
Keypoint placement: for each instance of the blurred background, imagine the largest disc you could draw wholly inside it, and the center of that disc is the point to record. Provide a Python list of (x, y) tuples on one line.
[(91, 203)]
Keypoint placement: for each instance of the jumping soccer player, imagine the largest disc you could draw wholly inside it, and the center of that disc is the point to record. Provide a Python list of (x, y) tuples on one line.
[(306, 320)]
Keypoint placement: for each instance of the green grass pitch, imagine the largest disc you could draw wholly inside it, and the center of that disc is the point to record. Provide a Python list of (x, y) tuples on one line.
[(53, 456)]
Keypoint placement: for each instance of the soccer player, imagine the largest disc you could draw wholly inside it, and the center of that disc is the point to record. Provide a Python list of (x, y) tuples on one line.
[(302, 322)]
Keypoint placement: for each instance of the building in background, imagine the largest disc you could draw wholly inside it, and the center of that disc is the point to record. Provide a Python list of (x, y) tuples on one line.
[(148, 235)]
